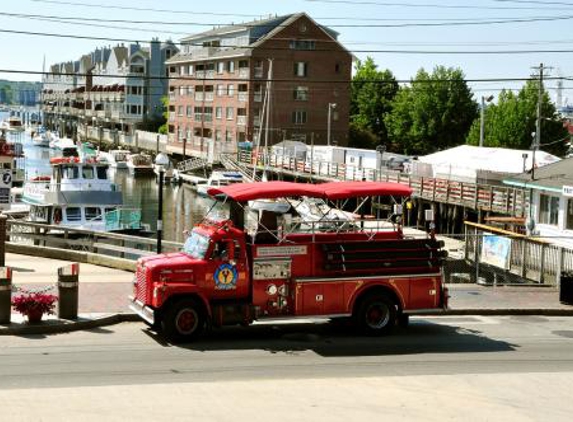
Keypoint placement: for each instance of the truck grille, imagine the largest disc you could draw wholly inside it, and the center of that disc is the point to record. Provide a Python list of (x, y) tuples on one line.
[(141, 291)]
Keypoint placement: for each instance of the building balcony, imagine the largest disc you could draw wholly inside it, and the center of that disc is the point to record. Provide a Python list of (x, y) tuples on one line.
[(199, 96), (200, 74), (210, 74)]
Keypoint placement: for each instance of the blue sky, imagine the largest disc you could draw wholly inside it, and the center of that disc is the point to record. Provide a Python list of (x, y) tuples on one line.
[(25, 52)]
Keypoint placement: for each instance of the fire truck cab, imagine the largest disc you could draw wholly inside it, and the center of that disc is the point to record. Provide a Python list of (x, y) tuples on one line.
[(285, 251)]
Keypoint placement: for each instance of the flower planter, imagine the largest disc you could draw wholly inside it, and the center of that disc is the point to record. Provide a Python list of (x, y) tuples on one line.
[(35, 316)]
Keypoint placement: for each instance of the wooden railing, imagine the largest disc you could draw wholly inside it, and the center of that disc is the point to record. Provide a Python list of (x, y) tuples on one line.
[(499, 199), (110, 244)]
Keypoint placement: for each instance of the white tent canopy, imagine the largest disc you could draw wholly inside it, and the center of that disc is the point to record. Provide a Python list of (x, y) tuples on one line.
[(463, 162)]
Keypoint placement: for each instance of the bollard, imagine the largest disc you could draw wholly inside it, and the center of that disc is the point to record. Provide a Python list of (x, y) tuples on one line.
[(5, 295), (68, 287)]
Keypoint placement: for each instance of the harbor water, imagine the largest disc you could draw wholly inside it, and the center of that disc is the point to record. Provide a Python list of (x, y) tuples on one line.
[(182, 207)]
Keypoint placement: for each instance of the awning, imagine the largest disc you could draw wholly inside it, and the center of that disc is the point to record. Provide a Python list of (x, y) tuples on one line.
[(243, 192)]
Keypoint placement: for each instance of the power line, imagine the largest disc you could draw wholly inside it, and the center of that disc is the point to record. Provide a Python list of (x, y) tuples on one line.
[(413, 52), (456, 22), (239, 15), (325, 81), (433, 6)]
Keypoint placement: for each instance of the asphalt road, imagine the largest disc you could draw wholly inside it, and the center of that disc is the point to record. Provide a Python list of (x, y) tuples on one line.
[(512, 367)]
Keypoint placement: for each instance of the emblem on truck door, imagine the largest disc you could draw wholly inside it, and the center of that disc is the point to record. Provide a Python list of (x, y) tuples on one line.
[(225, 277)]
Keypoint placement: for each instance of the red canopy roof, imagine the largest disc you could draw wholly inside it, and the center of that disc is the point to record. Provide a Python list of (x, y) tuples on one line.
[(243, 192), (342, 190)]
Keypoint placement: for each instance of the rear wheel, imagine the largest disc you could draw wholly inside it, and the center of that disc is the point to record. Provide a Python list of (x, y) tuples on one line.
[(376, 315), (184, 321)]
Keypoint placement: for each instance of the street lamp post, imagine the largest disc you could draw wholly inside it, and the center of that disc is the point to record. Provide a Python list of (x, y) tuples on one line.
[(482, 118), (331, 106), (161, 161)]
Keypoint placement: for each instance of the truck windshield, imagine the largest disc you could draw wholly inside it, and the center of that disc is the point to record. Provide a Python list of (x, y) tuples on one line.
[(196, 245)]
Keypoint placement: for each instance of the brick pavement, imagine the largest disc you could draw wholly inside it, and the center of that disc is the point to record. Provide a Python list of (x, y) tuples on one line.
[(104, 290)]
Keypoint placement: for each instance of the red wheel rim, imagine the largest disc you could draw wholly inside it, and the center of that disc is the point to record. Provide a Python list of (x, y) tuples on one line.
[(187, 321)]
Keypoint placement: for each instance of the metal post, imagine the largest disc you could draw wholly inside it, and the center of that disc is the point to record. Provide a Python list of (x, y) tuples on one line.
[(184, 148), (68, 289), (5, 294), (481, 121), (329, 123), (160, 210), (3, 227)]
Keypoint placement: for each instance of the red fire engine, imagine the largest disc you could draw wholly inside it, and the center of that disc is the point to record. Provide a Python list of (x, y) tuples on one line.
[(284, 251)]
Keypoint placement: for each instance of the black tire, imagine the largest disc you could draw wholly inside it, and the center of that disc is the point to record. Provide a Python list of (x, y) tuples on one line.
[(376, 315), (183, 321), (403, 320)]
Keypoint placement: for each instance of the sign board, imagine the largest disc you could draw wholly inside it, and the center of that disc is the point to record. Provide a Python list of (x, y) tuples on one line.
[(568, 191), (268, 251), (6, 178), (496, 251)]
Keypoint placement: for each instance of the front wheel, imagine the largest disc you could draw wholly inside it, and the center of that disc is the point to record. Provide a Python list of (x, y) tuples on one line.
[(184, 321), (376, 315)]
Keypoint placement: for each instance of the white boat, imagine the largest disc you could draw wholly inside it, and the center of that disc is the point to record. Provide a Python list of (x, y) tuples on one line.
[(61, 143), (169, 171), (219, 178), (41, 140), (79, 194), (117, 158), (15, 124), (140, 165)]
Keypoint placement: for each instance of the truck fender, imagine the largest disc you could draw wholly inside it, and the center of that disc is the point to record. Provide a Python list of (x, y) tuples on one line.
[(379, 287), (172, 292)]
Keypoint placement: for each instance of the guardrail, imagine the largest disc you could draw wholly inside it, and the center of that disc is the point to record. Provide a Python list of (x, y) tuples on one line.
[(103, 243), (525, 260), (500, 199)]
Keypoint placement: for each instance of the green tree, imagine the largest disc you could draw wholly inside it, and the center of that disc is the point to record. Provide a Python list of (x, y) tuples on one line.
[(361, 138), (435, 112), (371, 99), (511, 122), (164, 129)]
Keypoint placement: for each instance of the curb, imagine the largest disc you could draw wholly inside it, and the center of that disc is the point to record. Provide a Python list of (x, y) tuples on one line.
[(66, 326)]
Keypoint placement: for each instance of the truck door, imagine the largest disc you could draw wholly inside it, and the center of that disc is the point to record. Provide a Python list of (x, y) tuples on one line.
[(227, 270)]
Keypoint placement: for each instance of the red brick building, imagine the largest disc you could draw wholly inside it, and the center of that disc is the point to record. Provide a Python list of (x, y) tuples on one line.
[(219, 80)]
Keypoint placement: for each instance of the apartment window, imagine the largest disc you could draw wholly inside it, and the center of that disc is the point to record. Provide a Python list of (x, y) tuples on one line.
[(189, 111), (228, 136), (179, 111), (220, 90), (337, 67), (182, 90), (300, 93), (299, 117), (220, 67), (218, 135), (548, 209), (569, 215), (230, 90), (184, 70), (302, 45), (301, 69), (230, 112), (231, 66), (219, 113), (190, 69), (190, 90)]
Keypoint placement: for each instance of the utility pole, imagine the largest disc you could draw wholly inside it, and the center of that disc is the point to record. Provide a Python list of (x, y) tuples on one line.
[(537, 140)]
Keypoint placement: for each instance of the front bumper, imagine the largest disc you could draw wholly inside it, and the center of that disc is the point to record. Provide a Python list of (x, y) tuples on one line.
[(145, 312)]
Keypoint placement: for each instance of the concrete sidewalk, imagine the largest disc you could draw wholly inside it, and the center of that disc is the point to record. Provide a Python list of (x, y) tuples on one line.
[(103, 296)]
